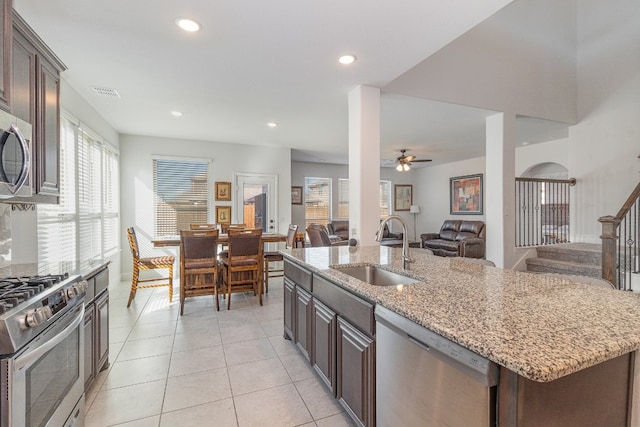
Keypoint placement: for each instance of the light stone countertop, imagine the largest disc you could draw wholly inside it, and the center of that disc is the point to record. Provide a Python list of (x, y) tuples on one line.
[(542, 328)]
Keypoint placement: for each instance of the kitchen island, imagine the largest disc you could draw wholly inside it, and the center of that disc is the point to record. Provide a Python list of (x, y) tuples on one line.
[(539, 329)]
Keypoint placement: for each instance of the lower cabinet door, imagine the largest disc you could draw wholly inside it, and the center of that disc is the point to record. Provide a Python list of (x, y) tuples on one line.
[(323, 355), (89, 346), (102, 331), (303, 321), (289, 308), (355, 373)]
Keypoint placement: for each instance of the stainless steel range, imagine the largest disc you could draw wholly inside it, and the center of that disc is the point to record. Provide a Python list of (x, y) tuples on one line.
[(41, 351)]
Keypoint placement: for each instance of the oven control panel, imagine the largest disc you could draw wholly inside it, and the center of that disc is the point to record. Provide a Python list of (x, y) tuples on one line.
[(53, 304)]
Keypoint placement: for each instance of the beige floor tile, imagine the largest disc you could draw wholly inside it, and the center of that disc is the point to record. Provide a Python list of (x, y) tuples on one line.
[(195, 389), (198, 360), (137, 371), (197, 325), (126, 404), (136, 349), (144, 422), (156, 316), (152, 330), (118, 334), (192, 341), (279, 406), (222, 411), (318, 398), (297, 367), (283, 346), (248, 351), (273, 328), (339, 420), (231, 334), (254, 376)]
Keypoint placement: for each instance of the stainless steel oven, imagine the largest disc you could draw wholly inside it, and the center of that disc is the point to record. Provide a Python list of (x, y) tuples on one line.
[(42, 382)]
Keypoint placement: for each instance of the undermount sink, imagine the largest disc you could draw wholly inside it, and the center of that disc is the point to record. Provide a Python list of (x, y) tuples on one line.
[(376, 276)]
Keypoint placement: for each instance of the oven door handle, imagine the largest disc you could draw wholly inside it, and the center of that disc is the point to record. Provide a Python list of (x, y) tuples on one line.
[(35, 354)]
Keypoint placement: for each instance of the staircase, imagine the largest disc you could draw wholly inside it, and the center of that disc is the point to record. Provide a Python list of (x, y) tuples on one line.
[(584, 259)]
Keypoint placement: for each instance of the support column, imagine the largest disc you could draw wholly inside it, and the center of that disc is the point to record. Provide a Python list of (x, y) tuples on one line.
[(500, 189), (364, 164)]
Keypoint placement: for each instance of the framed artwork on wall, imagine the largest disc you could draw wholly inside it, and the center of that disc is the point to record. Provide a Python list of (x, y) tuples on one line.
[(402, 197), (223, 191), (223, 214), (466, 195), (296, 195)]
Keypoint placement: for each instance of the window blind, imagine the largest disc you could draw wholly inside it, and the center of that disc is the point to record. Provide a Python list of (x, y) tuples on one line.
[(181, 196), (317, 200), (343, 198), (85, 223)]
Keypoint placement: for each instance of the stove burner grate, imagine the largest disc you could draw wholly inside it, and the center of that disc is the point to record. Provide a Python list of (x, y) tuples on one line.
[(16, 290)]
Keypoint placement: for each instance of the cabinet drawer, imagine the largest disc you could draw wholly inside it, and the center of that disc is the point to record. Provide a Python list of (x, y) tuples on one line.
[(301, 276), (101, 281), (355, 309)]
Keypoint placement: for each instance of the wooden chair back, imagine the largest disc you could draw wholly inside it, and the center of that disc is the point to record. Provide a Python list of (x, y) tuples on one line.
[(203, 226), (243, 266), (291, 235), (198, 265)]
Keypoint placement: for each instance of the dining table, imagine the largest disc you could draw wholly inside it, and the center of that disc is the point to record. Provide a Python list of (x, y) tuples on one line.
[(168, 241)]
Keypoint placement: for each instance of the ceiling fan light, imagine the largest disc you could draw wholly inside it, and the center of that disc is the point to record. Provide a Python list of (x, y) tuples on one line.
[(405, 167), (399, 167)]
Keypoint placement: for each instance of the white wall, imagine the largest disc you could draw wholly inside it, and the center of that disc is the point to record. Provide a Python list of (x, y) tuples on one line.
[(136, 176)]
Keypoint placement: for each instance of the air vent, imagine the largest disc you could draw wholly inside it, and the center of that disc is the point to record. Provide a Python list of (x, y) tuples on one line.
[(106, 91)]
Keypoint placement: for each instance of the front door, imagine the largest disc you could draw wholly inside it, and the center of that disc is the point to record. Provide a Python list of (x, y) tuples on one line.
[(255, 201)]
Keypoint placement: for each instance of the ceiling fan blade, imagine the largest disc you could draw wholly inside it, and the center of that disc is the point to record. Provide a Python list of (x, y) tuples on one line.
[(409, 158), (424, 160)]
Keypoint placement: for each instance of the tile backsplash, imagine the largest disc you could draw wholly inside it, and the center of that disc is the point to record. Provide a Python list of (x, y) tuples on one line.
[(5, 234)]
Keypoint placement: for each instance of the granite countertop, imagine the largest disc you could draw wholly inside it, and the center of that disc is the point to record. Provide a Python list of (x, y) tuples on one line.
[(84, 269), (540, 327)]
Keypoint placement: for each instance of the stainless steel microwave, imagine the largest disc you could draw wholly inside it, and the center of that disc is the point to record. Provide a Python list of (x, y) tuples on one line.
[(15, 157)]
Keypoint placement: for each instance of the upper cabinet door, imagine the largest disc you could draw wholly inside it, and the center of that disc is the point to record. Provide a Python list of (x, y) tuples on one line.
[(5, 53)]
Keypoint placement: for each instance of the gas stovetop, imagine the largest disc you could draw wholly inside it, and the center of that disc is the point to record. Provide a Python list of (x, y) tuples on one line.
[(16, 290), (30, 304)]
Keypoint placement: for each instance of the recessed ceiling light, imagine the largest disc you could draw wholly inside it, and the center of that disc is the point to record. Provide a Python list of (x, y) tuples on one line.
[(188, 24), (176, 113), (525, 143), (347, 59), (272, 124)]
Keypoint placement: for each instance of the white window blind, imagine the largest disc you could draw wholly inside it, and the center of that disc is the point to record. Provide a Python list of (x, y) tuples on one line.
[(343, 198), (317, 200), (181, 196), (84, 225)]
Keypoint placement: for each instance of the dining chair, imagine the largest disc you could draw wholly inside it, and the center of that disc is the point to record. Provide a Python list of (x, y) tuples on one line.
[(225, 230), (203, 226), (149, 263), (242, 269), (275, 256), (198, 265)]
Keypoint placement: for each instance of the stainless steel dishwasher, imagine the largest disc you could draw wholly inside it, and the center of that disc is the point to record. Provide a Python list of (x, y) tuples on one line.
[(426, 380)]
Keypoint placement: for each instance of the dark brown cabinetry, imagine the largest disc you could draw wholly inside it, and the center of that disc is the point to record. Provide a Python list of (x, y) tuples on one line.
[(35, 95), (303, 322), (323, 355), (334, 329), (96, 325), (5, 53)]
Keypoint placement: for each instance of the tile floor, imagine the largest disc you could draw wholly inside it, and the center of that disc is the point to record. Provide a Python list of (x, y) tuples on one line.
[(205, 368)]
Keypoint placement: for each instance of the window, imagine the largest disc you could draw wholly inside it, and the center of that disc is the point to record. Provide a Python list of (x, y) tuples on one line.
[(317, 200), (180, 193), (85, 224), (343, 198)]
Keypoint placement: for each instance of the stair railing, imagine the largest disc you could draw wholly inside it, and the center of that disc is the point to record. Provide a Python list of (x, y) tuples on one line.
[(542, 207), (620, 246)]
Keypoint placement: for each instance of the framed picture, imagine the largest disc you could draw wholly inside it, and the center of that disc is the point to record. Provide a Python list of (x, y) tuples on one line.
[(223, 214), (223, 191), (296, 195), (466, 195), (402, 197)]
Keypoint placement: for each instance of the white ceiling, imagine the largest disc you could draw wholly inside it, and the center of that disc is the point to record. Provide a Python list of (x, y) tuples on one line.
[(256, 61)]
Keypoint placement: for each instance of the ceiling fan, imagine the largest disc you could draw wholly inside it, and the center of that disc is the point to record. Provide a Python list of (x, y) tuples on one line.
[(404, 162)]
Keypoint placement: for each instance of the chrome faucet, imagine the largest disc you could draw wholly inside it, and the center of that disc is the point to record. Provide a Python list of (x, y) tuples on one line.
[(406, 259)]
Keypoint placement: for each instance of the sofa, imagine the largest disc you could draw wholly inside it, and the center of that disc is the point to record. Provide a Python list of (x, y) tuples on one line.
[(457, 238), (340, 228)]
